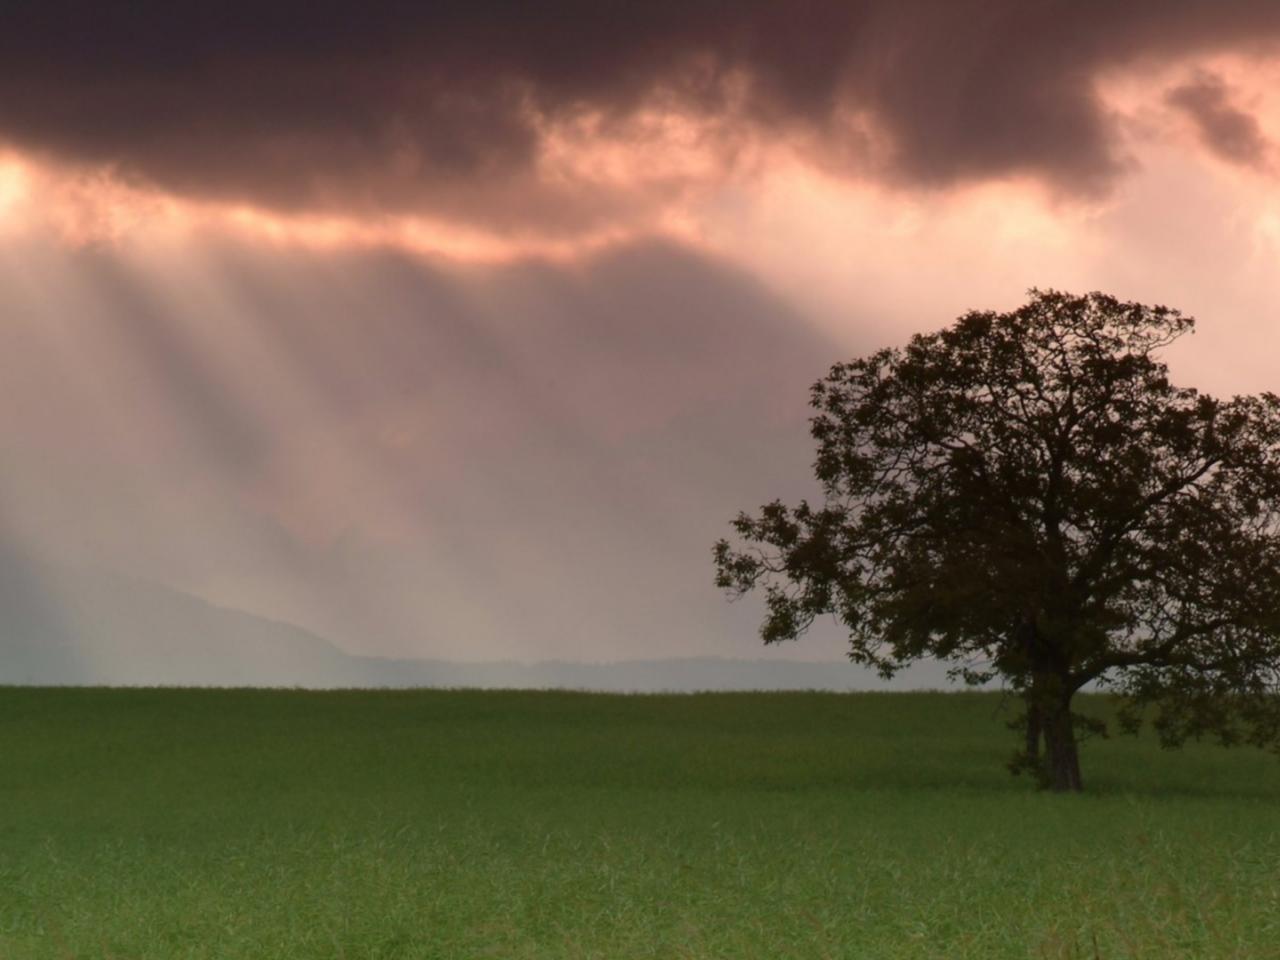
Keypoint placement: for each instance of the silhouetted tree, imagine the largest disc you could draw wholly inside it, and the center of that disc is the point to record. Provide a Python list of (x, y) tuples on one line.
[(1025, 495)]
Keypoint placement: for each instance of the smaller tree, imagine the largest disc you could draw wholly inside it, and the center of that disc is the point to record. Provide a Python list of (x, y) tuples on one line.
[(1026, 496)]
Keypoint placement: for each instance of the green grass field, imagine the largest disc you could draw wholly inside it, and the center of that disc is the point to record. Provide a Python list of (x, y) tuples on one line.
[(292, 824)]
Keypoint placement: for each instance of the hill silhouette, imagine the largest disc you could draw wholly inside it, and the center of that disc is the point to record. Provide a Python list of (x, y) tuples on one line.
[(63, 626)]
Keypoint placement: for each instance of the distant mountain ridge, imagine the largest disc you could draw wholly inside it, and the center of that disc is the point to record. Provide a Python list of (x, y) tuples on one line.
[(98, 628), (71, 626), (675, 675)]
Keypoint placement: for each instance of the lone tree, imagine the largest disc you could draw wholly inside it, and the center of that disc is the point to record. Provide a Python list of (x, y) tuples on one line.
[(1025, 495)]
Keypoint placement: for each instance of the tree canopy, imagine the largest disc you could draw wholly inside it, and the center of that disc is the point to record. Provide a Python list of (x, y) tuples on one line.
[(1026, 496)]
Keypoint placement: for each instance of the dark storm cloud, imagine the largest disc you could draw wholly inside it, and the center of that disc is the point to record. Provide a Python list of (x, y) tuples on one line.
[(433, 105), (1228, 131)]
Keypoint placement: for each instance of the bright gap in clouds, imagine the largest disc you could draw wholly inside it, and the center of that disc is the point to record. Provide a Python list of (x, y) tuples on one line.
[(1184, 228)]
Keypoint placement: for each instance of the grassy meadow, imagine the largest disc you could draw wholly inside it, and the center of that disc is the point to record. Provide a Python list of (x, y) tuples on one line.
[(150, 823)]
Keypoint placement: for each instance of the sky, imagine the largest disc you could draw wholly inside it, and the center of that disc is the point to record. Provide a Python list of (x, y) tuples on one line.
[(461, 330)]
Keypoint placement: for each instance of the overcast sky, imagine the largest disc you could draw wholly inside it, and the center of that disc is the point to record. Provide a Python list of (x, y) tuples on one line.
[(462, 329)]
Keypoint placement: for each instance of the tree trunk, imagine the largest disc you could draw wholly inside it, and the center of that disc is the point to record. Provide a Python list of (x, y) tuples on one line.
[(1033, 732), (1062, 765)]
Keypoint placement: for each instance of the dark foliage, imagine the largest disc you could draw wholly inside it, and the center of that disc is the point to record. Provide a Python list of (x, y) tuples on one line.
[(1027, 496)]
